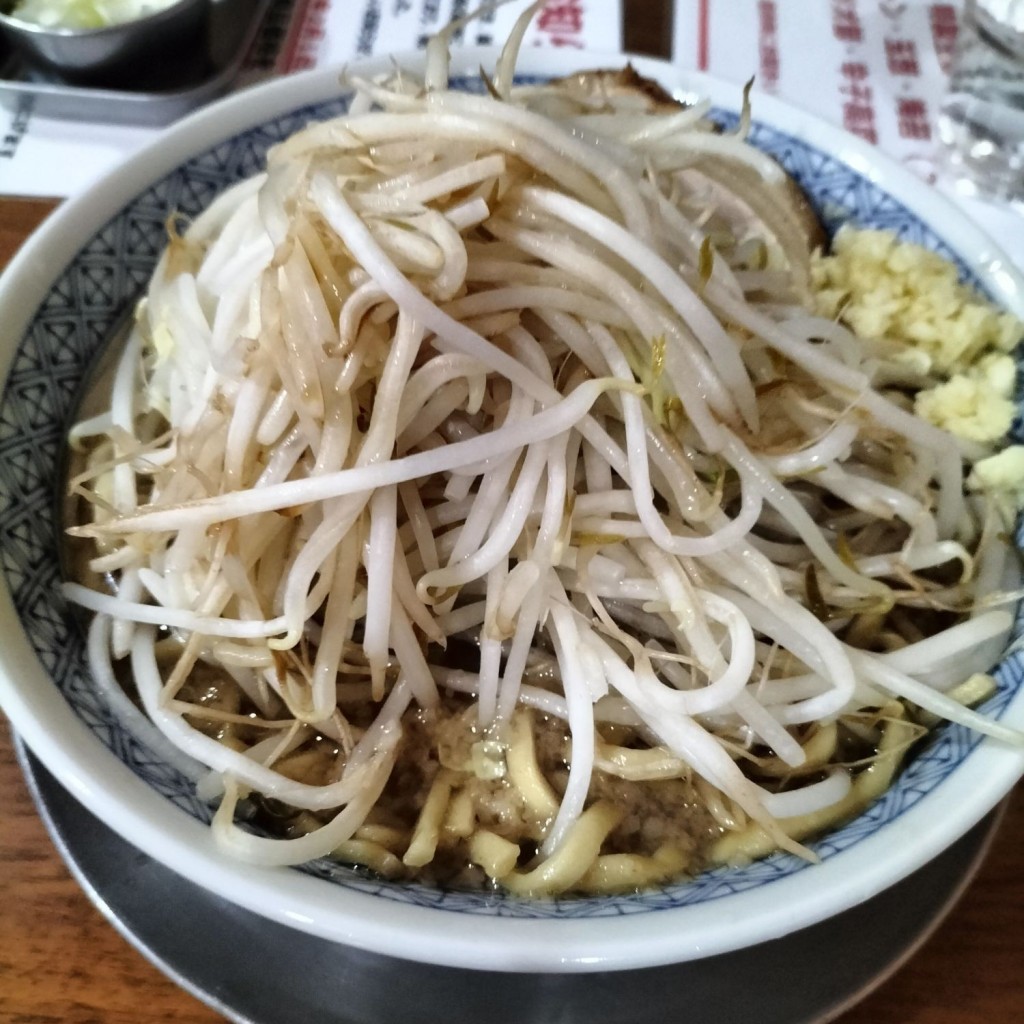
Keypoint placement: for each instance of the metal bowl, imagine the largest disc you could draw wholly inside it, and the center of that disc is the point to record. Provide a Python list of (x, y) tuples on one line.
[(115, 55)]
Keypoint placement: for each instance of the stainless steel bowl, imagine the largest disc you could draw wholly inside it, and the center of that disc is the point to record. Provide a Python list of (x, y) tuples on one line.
[(109, 56)]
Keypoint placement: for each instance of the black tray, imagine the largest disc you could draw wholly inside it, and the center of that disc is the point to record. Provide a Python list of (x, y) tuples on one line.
[(254, 971)]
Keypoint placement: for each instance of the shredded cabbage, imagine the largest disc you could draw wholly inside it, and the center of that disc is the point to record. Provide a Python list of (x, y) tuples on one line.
[(86, 13)]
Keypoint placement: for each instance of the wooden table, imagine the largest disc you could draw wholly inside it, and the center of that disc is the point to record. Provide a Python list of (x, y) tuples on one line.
[(62, 963)]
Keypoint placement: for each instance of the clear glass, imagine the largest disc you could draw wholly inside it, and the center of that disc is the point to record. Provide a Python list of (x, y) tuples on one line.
[(981, 119)]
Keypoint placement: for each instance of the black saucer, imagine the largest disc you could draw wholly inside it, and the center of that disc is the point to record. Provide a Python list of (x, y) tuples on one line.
[(254, 971)]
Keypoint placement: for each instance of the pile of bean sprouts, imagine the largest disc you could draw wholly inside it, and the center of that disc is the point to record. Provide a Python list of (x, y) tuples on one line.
[(528, 374)]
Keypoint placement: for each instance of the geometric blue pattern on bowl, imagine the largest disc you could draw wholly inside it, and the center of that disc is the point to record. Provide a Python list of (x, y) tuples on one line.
[(38, 404)]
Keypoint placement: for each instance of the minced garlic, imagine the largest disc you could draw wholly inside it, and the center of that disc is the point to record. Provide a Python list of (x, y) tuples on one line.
[(910, 299)]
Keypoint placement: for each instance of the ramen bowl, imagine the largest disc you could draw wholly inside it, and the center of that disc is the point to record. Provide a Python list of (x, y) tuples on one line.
[(64, 296), (114, 54)]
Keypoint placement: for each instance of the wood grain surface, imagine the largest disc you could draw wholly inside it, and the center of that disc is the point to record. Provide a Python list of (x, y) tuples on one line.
[(61, 962)]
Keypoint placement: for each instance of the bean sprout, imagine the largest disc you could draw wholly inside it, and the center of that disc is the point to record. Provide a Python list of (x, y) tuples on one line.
[(464, 469)]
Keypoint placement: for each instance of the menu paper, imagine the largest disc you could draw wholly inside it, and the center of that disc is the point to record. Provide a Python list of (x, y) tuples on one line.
[(324, 32), (47, 156), (877, 68)]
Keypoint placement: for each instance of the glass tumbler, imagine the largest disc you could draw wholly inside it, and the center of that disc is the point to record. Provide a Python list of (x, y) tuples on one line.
[(981, 119)]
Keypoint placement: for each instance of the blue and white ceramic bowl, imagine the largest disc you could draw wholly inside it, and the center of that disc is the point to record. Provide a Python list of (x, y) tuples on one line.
[(58, 303)]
